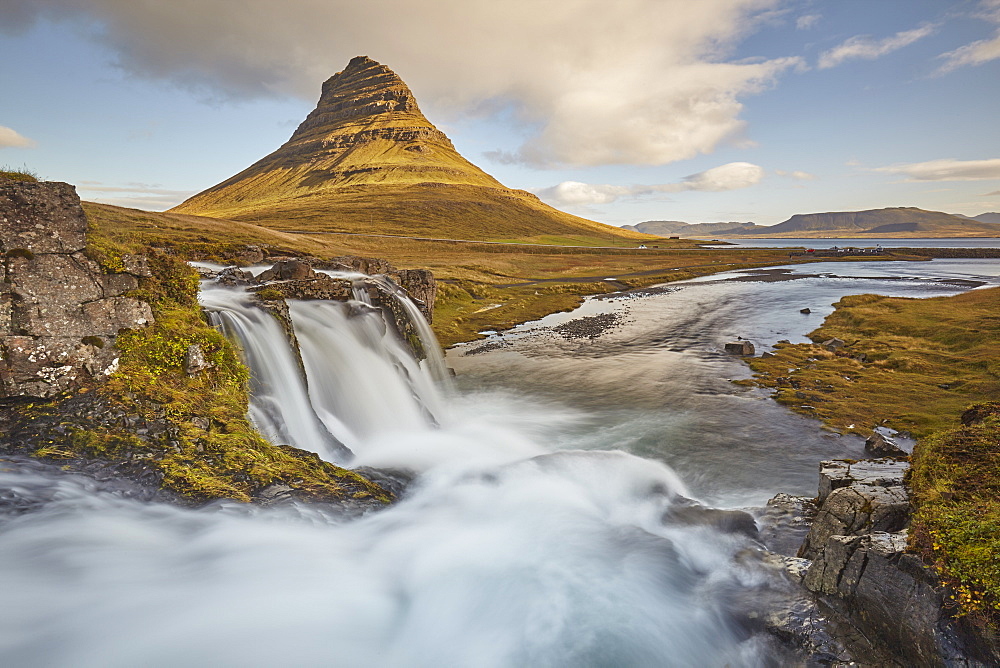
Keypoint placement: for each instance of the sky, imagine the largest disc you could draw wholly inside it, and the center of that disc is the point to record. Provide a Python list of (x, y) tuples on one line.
[(622, 112)]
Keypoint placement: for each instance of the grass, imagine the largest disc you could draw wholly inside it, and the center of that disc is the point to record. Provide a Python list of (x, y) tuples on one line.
[(207, 449), (912, 364), (917, 365), (527, 281), (956, 525), (22, 174)]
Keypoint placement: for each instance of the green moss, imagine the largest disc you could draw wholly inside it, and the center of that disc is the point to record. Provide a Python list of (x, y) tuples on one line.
[(955, 480), (199, 436), (21, 252)]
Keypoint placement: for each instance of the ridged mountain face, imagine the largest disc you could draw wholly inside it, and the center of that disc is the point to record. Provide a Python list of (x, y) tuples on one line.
[(367, 160), (366, 128)]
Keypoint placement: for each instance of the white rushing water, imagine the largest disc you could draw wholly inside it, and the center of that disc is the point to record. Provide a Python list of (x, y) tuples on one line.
[(503, 552), (527, 538)]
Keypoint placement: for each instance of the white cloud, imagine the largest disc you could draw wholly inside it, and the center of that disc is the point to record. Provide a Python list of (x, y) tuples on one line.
[(591, 82), (808, 21), (995, 193), (980, 51), (133, 195), (11, 138), (946, 169), (866, 48), (798, 175), (731, 176)]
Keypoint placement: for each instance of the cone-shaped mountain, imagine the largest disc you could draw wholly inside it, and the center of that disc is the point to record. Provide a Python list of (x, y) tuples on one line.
[(367, 160)]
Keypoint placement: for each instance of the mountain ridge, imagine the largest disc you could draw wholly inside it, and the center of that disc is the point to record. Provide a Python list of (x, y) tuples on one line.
[(896, 222), (366, 159)]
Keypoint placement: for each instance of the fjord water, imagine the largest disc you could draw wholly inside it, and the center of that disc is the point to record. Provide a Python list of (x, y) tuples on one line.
[(547, 524)]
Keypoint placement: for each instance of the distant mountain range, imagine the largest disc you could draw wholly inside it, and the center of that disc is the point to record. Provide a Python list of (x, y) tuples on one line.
[(895, 222)]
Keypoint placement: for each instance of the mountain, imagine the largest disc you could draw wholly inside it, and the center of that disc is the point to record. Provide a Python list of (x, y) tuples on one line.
[(666, 228), (897, 222), (366, 160), (991, 217)]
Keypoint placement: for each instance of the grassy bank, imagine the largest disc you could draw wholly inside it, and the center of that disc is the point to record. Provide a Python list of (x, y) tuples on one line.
[(482, 286), (917, 365), (912, 364)]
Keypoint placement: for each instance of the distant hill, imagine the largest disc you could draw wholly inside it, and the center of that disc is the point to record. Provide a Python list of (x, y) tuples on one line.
[(991, 217), (367, 160), (897, 222), (666, 228)]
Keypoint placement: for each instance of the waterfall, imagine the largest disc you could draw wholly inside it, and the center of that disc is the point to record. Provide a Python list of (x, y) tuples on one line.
[(360, 381)]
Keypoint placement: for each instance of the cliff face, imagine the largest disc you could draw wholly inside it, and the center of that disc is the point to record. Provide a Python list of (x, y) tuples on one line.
[(59, 313), (367, 160)]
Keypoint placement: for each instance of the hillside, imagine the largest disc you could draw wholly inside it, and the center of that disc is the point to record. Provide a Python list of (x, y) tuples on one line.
[(367, 160), (989, 217), (899, 222), (664, 228)]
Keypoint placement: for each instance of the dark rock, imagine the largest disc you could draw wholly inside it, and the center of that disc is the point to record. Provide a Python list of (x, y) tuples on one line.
[(725, 521), (881, 444), (805, 310), (59, 312), (41, 218), (319, 286), (287, 270), (784, 523), (766, 355), (234, 276), (740, 348)]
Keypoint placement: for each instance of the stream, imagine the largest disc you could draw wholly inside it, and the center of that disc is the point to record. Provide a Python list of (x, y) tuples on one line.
[(566, 509)]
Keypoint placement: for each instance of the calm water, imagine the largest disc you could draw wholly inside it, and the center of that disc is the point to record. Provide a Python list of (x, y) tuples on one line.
[(963, 242)]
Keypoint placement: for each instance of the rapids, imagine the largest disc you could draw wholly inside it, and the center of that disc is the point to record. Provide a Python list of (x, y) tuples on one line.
[(548, 523)]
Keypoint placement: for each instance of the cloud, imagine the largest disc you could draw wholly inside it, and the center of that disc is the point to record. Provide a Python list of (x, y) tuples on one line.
[(10, 138), (946, 169), (995, 193), (590, 82), (133, 195), (866, 48), (978, 52), (731, 176), (797, 175), (806, 22)]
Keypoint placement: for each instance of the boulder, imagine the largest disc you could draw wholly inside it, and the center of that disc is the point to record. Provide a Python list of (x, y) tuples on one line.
[(833, 344), (59, 311), (287, 270), (881, 444), (805, 310), (740, 348)]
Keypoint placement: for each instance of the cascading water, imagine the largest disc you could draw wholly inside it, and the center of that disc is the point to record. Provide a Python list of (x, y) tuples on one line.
[(509, 548), (360, 380)]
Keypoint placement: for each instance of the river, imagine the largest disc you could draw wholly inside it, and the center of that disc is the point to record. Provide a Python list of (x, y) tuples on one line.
[(561, 514)]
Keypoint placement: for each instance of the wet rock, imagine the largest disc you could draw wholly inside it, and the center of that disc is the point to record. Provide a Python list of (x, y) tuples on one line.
[(740, 348), (318, 286), (784, 523), (881, 444), (726, 521), (287, 270), (805, 310), (234, 276), (421, 286)]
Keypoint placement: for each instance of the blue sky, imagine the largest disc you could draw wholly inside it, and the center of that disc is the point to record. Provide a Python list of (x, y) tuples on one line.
[(749, 110)]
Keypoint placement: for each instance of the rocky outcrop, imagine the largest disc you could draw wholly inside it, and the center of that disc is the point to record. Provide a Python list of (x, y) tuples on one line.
[(741, 347), (59, 312), (867, 580)]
